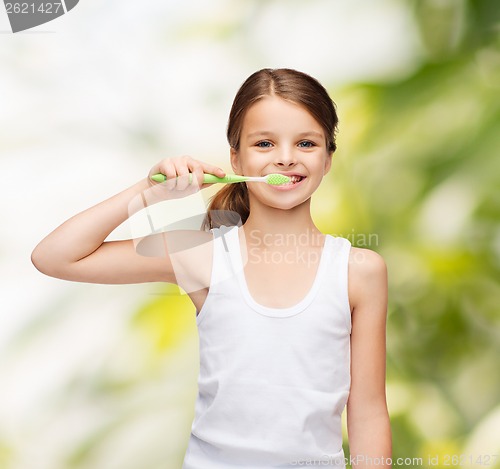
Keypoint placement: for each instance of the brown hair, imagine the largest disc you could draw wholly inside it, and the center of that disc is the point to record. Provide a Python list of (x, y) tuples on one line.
[(288, 84)]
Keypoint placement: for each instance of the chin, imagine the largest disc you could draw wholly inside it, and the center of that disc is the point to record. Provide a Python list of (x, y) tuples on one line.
[(282, 201), (285, 205)]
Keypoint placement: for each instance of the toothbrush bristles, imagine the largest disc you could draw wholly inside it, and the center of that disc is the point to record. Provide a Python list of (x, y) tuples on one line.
[(277, 179)]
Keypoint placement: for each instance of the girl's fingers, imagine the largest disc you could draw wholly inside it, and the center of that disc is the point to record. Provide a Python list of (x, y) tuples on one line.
[(177, 172), (200, 168), (215, 170), (169, 170), (197, 171), (183, 169)]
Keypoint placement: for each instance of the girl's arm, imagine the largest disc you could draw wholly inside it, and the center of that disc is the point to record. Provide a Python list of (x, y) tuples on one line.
[(77, 249), (368, 422)]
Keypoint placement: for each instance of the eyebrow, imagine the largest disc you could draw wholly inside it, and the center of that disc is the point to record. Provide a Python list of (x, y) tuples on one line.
[(265, 133)]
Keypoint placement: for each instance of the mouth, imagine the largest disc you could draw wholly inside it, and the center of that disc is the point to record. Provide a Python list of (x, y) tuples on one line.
[(295, 181), (294, 177)]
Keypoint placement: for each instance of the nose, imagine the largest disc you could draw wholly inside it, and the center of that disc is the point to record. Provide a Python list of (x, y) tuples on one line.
[(285, 157)]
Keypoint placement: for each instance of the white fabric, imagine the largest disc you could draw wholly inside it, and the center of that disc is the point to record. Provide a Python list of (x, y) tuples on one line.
[(273, 382)]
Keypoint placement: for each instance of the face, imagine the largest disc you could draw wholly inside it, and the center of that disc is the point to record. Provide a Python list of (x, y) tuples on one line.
[(281, 137)]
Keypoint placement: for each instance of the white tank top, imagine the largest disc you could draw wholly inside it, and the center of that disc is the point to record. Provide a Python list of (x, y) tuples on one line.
[(273, 382)]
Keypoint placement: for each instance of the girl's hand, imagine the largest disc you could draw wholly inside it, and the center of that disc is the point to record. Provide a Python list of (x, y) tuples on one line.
[(177, 171)]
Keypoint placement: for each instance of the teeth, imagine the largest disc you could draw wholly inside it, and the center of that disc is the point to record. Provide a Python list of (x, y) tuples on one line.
[(293, 180)]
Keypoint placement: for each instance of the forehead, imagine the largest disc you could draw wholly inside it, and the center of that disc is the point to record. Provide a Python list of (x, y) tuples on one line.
[(274, 114)]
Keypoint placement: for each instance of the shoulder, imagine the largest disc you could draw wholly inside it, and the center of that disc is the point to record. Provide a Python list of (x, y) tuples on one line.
[(367, 276), (366, 263), (191, 254)]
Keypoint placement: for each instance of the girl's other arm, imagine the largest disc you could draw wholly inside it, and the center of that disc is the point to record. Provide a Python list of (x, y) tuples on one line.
[(368, 421)]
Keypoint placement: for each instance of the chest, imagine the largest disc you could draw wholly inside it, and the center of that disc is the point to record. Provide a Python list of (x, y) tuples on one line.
[(281, 279)]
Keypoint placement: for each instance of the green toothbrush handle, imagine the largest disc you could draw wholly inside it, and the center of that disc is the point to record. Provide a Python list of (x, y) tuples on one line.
[(207, 178), (227, 179)]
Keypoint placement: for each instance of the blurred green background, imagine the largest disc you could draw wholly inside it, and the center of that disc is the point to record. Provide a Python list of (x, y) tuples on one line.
[(101, 377)]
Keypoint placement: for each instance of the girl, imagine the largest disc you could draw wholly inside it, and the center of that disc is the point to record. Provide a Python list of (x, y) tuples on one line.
[(291, 321)]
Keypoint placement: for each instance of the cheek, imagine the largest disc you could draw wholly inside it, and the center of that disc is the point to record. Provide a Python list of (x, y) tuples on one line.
[(250, 164)]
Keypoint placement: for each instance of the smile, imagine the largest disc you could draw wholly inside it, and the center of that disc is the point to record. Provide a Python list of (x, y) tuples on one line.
[(295, 182)]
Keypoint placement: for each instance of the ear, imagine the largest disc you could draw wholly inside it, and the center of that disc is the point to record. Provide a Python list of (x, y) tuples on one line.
[(328, 164), (235, 161)]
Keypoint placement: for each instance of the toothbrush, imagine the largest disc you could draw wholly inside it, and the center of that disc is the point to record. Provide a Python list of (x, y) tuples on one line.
[(273, 179)]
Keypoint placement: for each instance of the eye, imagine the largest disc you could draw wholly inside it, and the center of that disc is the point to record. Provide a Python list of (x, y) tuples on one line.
[(306, 144), (264, 144)]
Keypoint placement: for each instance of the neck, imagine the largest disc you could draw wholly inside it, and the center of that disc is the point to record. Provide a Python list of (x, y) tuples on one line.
[(266, 223)]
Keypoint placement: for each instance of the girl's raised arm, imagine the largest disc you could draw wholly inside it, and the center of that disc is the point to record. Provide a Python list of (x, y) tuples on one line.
[(77, 249)]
